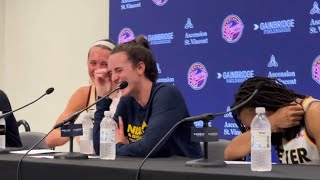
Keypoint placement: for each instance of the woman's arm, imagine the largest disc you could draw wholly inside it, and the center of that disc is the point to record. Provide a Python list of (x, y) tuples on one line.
[(284, 117), (77, 102), (312, 120), (239, 147)]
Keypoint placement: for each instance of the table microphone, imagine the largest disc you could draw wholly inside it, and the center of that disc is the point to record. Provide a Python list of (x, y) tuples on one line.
[(205, 117), (210, 116), (48, 91), (71, 118), (122, 85)]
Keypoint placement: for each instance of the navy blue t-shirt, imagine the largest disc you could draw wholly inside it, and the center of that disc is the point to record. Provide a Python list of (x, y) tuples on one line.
[(145, 126), (12, 133)]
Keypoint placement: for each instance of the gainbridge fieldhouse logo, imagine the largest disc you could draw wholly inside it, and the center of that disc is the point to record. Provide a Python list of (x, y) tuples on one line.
[(316, 69), (232, 28), (125, 35), (160, 2), (197, 76)]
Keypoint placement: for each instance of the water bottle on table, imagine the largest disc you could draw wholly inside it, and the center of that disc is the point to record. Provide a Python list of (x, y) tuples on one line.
[(86, 140), (108, 137), (260, 142), (2, 132)]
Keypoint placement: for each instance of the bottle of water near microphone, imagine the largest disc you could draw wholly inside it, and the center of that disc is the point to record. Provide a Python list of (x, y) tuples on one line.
[(260, 142), (108, 137), (2, 132), (86, 140)]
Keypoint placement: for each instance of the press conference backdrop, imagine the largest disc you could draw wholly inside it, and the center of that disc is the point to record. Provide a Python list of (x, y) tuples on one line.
[(208, 47)]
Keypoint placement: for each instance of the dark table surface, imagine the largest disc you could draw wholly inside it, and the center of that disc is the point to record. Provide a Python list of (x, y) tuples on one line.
[(125, 168)]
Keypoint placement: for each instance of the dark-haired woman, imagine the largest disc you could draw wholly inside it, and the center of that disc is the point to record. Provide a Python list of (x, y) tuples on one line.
[(294, 119), (147, 110)]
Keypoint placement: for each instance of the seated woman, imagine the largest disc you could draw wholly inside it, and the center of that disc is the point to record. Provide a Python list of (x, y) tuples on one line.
[(147, 109), (294, 119), (12, 133), (97, 62)]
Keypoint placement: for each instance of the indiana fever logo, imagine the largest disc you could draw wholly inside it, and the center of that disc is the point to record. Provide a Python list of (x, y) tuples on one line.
[(135, 132), (316, 69), (125, 35), (160, 2), (197, 76), (232, 28)]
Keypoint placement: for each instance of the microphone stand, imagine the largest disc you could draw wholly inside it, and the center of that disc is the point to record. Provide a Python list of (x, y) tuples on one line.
[(7, 149), (205, 162), (71, 119), (71, 154)]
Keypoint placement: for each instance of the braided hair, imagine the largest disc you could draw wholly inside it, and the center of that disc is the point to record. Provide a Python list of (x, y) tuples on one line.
[(272, 95)]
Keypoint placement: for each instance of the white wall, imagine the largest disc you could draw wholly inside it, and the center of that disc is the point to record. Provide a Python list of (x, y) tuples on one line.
[(1, 38), (45, 43)]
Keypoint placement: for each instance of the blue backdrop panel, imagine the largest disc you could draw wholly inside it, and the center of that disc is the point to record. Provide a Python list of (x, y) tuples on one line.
[(207, 48)]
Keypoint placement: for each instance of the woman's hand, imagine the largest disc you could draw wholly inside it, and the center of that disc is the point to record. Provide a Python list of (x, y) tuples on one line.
[(286, 117), (102, 82), (120, 133)]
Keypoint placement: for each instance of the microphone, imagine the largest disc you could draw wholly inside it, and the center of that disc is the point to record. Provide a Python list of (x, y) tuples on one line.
[(122, 85), (48, 91), (206, 117), (210, 116)]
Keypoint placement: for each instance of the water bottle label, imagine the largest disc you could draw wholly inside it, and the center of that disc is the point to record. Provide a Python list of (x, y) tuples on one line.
[(108, 135), (2, 130), (260, 139), (87, 134)]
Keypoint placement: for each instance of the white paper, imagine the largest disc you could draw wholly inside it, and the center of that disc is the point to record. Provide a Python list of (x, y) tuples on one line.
[(47, 157), (237, 162), (35, 151)]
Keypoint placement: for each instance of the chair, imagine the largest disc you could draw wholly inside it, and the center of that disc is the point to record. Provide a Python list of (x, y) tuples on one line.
[(29, 139), (25, 124), (216, 149)]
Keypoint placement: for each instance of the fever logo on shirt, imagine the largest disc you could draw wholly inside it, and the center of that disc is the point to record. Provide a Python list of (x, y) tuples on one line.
[(197, 76), (135, 133), (315, 71), (125, 35), (232, 28)]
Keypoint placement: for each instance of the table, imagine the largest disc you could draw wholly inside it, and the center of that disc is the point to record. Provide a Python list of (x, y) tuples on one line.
[(125, 168)]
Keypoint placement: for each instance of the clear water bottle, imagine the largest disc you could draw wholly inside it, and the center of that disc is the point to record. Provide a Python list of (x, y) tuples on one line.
[(108, 137), (260, 142), (2, 133), (86, 140)]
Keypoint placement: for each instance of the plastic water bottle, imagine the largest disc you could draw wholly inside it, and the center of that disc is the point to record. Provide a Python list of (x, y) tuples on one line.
[(2, 133), (260, 142), (108, 137), (86, 140)]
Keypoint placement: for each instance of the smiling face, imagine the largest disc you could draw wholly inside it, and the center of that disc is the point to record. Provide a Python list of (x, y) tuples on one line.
[(121, 69), (97, 59)]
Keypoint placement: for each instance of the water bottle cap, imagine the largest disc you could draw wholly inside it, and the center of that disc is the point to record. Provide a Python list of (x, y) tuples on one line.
[(260, 110)]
